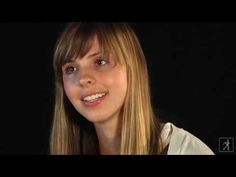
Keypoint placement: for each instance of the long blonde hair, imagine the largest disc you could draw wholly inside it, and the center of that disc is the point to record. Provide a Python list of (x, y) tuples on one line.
[(141, 129)]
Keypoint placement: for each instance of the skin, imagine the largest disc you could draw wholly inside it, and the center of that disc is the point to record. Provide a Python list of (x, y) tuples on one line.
[(94, 73)]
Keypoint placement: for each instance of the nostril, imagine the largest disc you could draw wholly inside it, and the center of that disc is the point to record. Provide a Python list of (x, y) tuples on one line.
[(86, 81)]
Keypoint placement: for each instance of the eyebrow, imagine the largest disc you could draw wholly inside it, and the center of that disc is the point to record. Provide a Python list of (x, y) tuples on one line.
[(90, 56), (94, 54)]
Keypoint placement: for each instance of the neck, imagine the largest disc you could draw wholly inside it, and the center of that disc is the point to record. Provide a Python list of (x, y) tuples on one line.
[(109, 136)]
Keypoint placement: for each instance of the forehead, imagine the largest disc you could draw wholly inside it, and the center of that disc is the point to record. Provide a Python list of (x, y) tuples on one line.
[(94, 50), (95, 47)]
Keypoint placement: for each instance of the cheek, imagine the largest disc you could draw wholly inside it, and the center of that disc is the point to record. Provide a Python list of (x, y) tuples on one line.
[(70, 90), (116, 81)]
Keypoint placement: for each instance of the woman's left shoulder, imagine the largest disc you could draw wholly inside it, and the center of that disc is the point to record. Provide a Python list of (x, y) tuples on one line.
[(185, 143)]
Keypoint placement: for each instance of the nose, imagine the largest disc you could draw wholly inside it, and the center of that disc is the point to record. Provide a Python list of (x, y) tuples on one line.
[(86, 78)]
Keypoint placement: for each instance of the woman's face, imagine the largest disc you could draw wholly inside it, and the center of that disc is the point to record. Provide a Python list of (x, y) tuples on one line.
[(96, 85)]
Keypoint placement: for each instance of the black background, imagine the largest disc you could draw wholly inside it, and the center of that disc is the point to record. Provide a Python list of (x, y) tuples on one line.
[(191, 73)]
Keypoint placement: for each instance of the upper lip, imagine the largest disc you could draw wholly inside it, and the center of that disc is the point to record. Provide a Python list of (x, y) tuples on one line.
[(91, 93)]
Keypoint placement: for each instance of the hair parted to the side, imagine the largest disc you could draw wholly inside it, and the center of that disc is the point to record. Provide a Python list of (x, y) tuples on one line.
[(141, 129)]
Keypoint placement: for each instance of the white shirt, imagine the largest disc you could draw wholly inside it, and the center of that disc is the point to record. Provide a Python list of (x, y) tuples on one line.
[(181, 142)]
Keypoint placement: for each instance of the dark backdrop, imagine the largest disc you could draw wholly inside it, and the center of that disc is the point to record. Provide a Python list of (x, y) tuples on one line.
[(191, 80)]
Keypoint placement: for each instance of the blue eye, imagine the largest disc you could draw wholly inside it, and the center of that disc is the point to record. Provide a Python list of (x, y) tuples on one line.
[(101, 62)]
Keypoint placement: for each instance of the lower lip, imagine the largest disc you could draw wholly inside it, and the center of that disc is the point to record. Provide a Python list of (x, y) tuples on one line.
[(94, 103)]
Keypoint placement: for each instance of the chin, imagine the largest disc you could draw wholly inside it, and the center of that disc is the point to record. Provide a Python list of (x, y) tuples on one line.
[(96, 118)]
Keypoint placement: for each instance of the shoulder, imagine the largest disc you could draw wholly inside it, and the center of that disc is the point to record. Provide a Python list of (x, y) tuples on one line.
[(185, 143)]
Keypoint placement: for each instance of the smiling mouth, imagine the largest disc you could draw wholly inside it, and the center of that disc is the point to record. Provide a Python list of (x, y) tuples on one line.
[(94, 97)]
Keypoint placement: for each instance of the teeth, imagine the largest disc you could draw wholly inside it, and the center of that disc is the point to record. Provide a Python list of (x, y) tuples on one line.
[(93, 97)]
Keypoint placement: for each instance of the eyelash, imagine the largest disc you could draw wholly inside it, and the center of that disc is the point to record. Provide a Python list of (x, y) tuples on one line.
[(72, 69), (101, 60)]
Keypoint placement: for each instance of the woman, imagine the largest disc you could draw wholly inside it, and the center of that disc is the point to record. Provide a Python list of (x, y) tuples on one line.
[(103, 102)]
